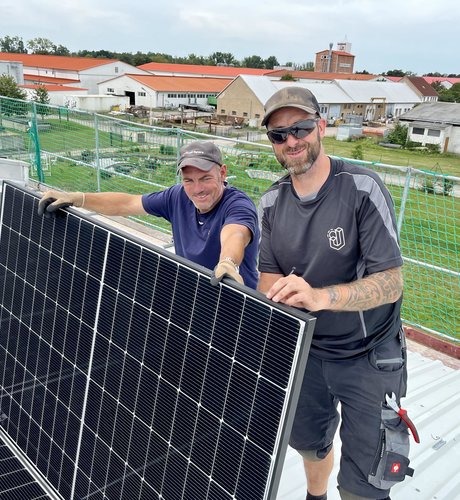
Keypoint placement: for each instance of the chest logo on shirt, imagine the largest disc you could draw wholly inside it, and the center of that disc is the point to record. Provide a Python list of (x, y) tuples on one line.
[(336, 238)]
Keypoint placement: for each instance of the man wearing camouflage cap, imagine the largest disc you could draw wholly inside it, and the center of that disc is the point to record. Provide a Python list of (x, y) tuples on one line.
[(213, 224), (329, 244)]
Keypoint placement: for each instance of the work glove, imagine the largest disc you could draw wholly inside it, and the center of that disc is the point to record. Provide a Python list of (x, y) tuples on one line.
[(225, 269), (52, 201)]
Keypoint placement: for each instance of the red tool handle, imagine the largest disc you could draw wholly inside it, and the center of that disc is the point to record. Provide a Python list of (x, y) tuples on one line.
[(405, 417)]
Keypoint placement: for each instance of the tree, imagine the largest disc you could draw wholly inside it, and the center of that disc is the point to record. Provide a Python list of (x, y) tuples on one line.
[(223, 58), (12, 44), (41, 46), (9, 88), (41, 97), (398, 135), (395, 72), (271, 62), (308, 66), (363, 72), (450, 95), (437, 86), (253, 62)]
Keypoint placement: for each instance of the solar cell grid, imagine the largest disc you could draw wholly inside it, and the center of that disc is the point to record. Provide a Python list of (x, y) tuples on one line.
[(125, 374)]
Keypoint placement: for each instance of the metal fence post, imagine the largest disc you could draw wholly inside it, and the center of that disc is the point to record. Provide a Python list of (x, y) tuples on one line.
[(404, 200), (98, 166), (34, 134)]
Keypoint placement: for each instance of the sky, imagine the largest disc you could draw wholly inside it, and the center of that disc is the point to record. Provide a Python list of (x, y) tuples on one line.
[(411, 35)]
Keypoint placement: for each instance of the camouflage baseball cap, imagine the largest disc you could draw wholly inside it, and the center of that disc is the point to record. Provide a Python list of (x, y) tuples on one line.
[(295, 97)]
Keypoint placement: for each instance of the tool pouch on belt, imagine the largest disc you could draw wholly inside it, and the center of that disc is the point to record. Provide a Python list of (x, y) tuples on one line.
[(391, 463)]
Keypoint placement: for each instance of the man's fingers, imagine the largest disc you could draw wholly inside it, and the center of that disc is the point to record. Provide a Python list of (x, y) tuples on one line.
[(43, 206), (54, 207), (225, 270)]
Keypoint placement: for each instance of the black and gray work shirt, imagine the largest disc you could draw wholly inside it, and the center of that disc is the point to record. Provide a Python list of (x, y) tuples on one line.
[(345, 233)]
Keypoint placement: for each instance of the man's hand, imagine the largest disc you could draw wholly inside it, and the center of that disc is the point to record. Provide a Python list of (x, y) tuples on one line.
[(54, 200), (294, 291), (225, 269)]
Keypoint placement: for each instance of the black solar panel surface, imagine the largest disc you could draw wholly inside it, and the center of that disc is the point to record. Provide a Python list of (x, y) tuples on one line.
[(125, 374)]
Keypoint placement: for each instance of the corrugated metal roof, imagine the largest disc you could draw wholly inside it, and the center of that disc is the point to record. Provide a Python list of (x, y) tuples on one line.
[(201, 70), (326, 93), (435, 112), (433, 403), (392, 92), (318, 75), (49, 79)]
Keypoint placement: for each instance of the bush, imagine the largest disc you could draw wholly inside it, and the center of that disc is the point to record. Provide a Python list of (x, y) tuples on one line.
[(398, 135), (358, 152), (433, 148), (167, 150)]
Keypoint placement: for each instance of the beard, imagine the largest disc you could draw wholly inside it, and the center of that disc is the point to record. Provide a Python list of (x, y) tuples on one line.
[(301, 165)]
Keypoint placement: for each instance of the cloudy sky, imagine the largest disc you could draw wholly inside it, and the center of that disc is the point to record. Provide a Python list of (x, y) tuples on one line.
[(411, 35)]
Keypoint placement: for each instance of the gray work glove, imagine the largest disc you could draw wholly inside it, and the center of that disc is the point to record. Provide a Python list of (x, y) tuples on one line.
[(52, 201), (225, 269)]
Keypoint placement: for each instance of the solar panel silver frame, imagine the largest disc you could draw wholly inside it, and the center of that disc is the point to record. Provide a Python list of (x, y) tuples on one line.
[(17, 236)]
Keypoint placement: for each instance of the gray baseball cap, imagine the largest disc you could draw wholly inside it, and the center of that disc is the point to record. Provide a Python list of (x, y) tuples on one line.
[(200, 154), (295, 97)]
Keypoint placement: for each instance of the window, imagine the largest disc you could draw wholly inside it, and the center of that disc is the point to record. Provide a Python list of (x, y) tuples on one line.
[(109, 89), (257, 115), (222, 111), (245, 114), (434, 133), (418, 131), (116, 69), (141, 94), (233, 113)]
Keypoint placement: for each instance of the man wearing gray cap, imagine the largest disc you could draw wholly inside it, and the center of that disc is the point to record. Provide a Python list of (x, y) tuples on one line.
[(329, 244), (213, 224)]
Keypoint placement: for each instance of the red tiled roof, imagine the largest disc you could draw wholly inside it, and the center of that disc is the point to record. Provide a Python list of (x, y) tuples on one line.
[(48, 79), (182, 83), (55, 62), (394, 78), (422, 85), (318, 75), (338, 52), (51, 88), (197, 69), (431, 79)]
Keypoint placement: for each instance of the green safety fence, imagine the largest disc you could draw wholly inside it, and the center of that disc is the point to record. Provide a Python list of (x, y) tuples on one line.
[(73, 150)]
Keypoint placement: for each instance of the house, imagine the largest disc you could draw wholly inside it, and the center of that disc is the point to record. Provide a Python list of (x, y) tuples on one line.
[(335, 61), (164, 91), (434, 123), (81, 72), (445, 81), (197, 70), (245, 96), (421, 87)]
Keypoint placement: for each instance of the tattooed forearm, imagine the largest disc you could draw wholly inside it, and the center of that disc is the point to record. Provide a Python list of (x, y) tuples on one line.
[(372, 291)]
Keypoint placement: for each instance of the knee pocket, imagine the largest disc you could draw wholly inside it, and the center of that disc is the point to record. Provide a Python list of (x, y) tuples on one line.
[(391, 462), (315, 455)]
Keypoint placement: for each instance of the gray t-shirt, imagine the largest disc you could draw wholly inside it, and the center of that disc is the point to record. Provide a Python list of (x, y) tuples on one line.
[(346, 232)]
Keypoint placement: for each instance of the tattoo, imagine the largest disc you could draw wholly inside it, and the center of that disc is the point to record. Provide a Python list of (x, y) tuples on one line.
[(372, 291)]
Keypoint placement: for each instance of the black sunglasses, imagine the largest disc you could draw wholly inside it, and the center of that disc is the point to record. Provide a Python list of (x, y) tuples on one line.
[(299, 130)]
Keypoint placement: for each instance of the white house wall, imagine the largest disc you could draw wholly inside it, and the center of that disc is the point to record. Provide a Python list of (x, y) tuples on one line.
[(90, 78)]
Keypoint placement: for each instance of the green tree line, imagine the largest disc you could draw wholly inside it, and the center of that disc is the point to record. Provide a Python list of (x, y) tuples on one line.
[(15, 44)]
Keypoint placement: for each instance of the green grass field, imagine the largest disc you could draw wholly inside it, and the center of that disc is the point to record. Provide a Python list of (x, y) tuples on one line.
[(430, 229)]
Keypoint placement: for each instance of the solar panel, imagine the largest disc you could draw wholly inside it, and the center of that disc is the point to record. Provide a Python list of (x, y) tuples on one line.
[(125, 374)]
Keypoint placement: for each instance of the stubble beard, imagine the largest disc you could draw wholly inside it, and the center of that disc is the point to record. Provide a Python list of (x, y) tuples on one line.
[(299, 166)]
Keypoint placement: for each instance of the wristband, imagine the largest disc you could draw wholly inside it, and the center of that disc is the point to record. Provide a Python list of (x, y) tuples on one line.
[(234, 264)]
